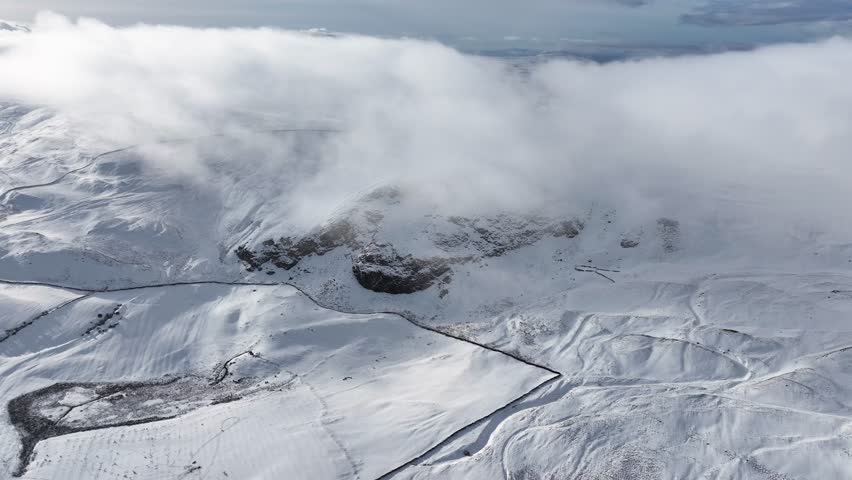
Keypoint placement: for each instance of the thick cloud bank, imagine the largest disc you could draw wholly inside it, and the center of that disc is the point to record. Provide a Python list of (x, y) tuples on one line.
[(661, 137)]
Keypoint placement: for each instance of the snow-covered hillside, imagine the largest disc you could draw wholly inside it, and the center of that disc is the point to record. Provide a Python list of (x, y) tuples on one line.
[(248, 381), (148, 333)]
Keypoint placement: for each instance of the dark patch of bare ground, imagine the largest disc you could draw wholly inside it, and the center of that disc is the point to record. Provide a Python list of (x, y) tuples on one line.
[(70, 407), (669, 233), (100, 325), (25, 413)]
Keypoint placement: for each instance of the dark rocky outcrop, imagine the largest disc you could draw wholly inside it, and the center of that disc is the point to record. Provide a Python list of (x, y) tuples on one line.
[(381, 269), (629, 243), (286, 253), (494, 236), (565, 228)]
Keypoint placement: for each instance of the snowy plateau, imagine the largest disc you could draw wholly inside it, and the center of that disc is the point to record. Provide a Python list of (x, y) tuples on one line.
[(157, 328)]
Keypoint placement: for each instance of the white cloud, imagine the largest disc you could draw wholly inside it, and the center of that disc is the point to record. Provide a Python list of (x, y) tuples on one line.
[(652, 137)]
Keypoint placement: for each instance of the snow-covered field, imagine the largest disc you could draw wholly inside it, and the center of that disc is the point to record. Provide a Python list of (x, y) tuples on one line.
[(671, 363), (252, 382)]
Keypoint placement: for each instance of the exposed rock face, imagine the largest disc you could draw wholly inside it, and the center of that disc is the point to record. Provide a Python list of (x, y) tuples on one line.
[(381, 269), (494, 236), (286, 253), (467, 237)]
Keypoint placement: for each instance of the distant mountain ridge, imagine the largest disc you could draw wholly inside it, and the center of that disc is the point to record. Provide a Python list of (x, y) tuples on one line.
[(10, 26)]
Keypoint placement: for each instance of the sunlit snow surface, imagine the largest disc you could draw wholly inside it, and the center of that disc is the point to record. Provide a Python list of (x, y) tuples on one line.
[(308, 393), (696, 358)]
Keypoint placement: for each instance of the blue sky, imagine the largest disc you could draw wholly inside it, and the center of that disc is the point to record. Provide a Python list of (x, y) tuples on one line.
[(491, 24)]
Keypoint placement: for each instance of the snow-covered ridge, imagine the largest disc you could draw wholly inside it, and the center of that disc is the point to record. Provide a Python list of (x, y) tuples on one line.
[(9, 26)]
